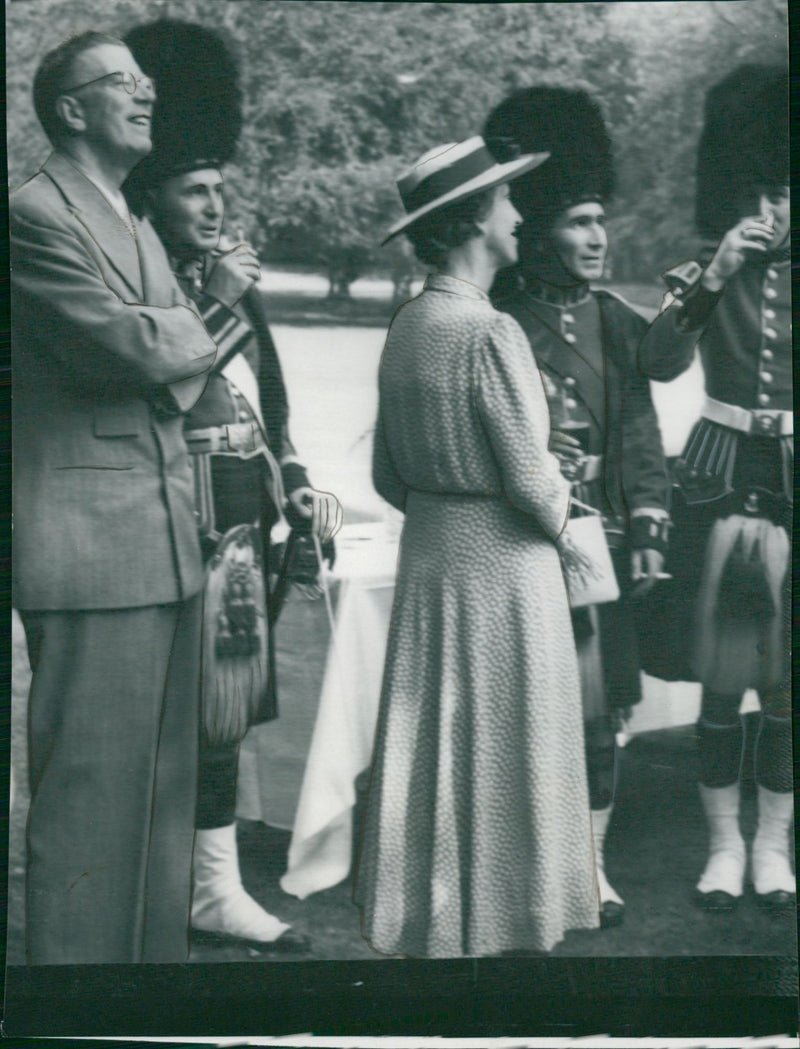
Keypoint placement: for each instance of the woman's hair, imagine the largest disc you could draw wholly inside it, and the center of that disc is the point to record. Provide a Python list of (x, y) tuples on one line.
[(51, 78), (435, 235)]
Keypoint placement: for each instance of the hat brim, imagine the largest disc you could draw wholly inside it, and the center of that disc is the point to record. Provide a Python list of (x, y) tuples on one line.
[(494, 176)]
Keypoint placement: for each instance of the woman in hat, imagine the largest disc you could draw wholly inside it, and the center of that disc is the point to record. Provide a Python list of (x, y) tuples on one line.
[(477, 838), (605, 428), (732, 538)]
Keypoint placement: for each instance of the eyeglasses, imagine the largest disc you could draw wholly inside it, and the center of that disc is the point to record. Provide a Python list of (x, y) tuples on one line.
[(127, 81)]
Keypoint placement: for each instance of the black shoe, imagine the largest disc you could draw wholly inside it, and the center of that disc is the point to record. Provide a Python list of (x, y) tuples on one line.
[(716, 902), (611, 914), (289, 942), (776, 902)]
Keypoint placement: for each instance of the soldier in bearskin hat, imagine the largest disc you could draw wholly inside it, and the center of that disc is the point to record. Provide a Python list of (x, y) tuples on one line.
[(605, 429), (733, 505), (246, 468)]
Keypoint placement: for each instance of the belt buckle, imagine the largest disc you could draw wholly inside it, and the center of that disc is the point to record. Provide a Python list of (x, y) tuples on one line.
[(767, 424), (241, 438)]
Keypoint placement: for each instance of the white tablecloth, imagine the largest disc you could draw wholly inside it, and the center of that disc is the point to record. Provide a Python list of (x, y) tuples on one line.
[(341, 744)]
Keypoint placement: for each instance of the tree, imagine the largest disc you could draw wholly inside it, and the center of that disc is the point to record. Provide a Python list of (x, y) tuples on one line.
[(340, 98)]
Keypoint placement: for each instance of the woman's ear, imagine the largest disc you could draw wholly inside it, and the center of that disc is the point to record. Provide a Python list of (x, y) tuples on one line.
[(70, 113)]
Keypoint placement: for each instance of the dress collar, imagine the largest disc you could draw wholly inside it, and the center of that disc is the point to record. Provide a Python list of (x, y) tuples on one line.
[(454, 286)]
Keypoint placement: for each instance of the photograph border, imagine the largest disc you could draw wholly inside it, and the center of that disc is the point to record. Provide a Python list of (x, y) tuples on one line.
[(715, 996)]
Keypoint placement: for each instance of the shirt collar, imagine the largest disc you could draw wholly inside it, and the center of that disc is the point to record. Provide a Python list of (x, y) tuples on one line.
[(454, 286)]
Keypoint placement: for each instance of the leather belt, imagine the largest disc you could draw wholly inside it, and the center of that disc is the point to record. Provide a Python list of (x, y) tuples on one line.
[(760, 422), (242, 439)]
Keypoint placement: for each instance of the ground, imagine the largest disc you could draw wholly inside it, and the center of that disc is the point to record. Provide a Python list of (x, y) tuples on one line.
[(655, 852)]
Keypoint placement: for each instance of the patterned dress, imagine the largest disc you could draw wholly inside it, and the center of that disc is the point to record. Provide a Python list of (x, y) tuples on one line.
[(477, 836)]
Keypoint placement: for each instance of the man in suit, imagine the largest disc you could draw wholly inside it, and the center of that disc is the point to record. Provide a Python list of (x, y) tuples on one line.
[(108, 354)]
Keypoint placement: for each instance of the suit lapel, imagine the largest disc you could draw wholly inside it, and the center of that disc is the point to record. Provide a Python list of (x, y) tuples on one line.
[(554, 353), (103, 224)]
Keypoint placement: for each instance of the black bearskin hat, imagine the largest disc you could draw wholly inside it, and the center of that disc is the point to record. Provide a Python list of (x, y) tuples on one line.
[(197, 115), (744, 144), (569, 125)]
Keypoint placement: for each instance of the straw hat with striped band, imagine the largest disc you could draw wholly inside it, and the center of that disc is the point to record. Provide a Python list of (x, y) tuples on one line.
[(453, 172)]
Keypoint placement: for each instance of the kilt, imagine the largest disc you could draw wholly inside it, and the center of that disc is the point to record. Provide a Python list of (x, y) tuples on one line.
[(700, 606)]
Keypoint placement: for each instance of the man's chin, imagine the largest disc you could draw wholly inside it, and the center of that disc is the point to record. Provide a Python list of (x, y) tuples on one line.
[(592, 273)]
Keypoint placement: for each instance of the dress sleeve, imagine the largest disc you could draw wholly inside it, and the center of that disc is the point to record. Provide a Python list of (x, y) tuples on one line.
[(512, 405), (388, 482)]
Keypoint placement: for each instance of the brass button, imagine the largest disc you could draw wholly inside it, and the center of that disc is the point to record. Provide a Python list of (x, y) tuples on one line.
[(770, 333), (763, 398), (770, 293), (767, 355), (769, 314), (772, 274), (766, 377), (569, 337), (567, 318)]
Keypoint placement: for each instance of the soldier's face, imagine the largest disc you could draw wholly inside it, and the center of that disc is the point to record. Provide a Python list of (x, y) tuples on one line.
[(188, 211), (774, 201), (580, 241)]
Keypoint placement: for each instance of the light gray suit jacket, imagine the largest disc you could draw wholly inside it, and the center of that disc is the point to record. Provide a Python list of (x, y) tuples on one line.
[(107, 352)]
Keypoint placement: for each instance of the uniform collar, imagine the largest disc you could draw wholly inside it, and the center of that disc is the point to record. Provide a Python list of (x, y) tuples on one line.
[(554, 294)]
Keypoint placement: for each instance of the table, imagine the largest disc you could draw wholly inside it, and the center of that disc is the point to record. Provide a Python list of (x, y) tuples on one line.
[(340, 742)]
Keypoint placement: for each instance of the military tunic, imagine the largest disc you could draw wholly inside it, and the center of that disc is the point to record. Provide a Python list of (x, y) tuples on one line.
[(585, 344), (737, 464), (243, 462)]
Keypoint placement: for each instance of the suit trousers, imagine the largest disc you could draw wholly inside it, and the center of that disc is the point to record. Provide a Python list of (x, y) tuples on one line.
[(113, 743)]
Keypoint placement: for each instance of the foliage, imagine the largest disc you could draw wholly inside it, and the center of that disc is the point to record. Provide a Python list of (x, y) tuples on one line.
[(340, 97)]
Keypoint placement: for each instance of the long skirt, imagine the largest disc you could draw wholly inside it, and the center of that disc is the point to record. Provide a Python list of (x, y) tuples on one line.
[(477, 835)]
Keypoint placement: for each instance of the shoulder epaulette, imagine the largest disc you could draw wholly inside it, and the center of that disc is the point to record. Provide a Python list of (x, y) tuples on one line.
[(680, 278)]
